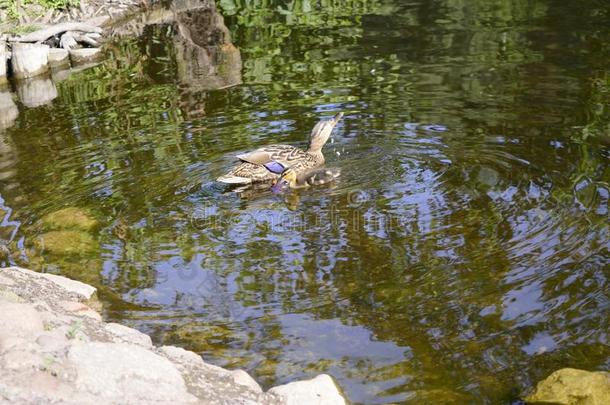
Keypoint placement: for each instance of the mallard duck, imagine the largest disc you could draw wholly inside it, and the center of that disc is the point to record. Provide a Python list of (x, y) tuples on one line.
[(267, 163), (313, 177)]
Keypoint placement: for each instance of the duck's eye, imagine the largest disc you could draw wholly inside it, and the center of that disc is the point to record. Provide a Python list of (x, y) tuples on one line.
[(284, 182)]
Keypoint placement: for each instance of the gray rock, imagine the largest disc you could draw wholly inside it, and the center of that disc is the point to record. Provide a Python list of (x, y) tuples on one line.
[(21, 358), (79, 309), (6, 281), (85, 55), (129, 335), (73, 286), (52, 342), (242, 378), (8, 341), (320, 390), (10, 296), (215, 385), (58, 57), (19, 320), (127, 373), (29, 60), (179, 355)]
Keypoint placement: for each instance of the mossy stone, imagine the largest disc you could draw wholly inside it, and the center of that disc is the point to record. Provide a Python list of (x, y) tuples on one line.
[(570, 386), (69, 218), (66, 243)]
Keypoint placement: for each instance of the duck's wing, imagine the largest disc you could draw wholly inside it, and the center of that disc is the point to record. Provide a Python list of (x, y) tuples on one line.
[(247, 173), (263, 158), (257, 157), (283, 154)]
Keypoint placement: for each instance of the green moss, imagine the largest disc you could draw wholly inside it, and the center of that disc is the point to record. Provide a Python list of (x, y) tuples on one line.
[(22, 29), (66, 243), (202, 337), (69, 218), (441, 396), (14, 12)]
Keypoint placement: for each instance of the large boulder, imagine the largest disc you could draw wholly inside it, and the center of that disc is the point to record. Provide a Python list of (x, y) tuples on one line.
[(570, 386)]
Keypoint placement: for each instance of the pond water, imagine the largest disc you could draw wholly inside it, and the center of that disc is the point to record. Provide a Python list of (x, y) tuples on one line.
[(462, 255)]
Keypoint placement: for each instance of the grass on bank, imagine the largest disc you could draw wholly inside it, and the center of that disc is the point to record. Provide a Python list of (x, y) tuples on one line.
[(15, 7)]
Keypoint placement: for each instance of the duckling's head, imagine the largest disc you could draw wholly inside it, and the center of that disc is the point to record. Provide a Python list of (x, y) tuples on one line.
[(321, 132), (288, 179)]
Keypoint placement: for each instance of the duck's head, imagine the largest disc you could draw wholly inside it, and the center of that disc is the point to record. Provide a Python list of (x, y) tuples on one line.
[(321, 132), (288, 179)]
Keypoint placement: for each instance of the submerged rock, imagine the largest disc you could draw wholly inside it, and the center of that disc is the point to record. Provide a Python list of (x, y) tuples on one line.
[(69, 218), (53, 351), (68, 233), (66, 243), (441, 396), (570, 386)]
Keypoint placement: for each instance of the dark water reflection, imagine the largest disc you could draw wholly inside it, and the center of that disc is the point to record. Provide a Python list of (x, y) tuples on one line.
[(462, 256)]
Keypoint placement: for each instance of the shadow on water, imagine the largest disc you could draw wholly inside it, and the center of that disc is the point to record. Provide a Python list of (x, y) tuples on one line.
[(461, 256)]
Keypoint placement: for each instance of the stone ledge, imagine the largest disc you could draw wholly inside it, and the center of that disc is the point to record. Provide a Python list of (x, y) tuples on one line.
[(55, 349)]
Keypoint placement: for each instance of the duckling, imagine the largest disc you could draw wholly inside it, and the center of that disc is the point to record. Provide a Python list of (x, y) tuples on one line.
[(313, 177), (267, 163)]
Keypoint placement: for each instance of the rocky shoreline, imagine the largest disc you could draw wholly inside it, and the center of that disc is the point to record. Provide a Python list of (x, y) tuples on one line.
[(38, 42), (55, 348)]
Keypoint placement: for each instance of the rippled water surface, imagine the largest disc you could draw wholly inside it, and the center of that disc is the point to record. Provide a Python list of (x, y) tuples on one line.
[(462, 255)]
